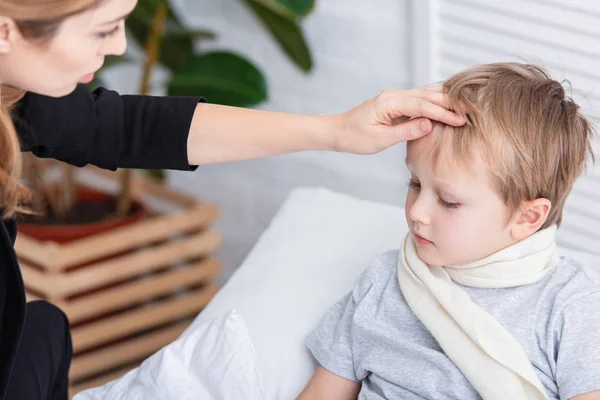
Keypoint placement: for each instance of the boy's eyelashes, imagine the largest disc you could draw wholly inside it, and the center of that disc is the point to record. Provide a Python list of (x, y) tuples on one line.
[(414, 184), (448, 204)]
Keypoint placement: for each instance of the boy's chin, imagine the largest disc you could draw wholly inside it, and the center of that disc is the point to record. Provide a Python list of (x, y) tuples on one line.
[(430, 259)]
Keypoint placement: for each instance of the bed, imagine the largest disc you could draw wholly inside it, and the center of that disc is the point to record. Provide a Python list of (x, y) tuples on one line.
[(248, 342)]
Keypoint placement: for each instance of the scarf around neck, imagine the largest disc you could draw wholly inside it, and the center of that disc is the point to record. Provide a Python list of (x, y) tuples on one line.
[(485, 352)]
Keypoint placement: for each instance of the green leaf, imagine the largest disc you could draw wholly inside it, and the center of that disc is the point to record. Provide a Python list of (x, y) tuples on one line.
[(115, 61), (174, 51), (290, 9), (222, 77), (190, 33), (287, 33), (156, 174)]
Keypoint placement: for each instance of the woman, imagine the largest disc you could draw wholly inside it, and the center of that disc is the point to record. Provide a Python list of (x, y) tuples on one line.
[(47, 47)]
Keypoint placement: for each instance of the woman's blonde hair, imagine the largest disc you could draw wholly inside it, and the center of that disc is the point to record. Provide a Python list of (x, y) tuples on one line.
[(529, 133), (38, 21)]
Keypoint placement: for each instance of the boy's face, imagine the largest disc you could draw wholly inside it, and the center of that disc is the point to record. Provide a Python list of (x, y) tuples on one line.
[(453, 212)]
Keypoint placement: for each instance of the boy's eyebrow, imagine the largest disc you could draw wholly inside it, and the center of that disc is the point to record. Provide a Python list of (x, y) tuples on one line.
[(444, 187)]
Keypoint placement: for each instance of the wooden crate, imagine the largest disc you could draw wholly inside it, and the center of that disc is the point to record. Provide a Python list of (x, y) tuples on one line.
[(130, 291)]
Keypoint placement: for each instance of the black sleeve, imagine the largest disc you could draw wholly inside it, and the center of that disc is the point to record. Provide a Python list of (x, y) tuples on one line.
[(106, 129)]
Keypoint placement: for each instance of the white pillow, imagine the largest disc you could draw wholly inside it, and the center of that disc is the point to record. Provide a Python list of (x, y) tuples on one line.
[(308, 258), (213, 361)]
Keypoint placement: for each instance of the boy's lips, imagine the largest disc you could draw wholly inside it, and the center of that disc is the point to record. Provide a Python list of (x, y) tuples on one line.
[(421, 240)]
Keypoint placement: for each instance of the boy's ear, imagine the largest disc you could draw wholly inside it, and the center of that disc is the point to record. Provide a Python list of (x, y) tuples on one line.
[(530, 218), (8, 30)]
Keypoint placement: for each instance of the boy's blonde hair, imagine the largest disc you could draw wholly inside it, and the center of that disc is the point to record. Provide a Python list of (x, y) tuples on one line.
[(533, 138)]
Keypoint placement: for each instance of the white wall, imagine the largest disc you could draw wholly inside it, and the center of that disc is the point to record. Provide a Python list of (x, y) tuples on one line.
[(359, 49)]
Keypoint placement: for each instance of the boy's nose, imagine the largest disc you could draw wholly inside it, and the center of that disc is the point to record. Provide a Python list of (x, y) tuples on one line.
[(418, 213)]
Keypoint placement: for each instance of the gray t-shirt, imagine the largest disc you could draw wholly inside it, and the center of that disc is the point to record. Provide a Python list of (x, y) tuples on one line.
[(371, 335)]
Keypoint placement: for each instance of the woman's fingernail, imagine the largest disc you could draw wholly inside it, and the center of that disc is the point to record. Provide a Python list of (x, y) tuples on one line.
[(425, 125)]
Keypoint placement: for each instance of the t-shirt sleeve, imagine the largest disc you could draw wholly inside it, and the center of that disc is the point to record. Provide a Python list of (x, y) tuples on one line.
[(331, 343), (578, 347)]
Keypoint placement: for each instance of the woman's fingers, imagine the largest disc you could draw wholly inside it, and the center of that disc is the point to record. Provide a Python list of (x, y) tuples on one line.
[(403, 105)]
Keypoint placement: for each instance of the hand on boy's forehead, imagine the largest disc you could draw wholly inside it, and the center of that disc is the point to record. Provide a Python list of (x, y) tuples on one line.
[(443, 169)]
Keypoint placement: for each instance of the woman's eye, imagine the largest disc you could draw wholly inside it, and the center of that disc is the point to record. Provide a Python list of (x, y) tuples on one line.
[(448, 204), (414, 184), (112, 32)]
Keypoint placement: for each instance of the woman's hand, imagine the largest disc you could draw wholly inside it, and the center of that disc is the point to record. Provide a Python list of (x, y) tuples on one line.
[(391, 117)]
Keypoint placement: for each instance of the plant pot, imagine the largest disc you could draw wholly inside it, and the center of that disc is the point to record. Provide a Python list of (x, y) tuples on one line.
[(64, 233)]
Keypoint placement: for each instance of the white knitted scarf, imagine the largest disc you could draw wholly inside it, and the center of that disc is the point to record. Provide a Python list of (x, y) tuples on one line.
[(488, 355)]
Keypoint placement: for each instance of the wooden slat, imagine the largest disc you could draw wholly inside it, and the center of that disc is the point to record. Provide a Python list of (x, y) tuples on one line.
[(99, 381), (121, 239), (36, 280), (128, 266), (121, 268), (31, 297), (35, 251), (130, 294), (125, 352), (121, 325)]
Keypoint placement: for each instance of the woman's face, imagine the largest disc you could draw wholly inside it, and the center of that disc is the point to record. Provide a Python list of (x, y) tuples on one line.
[(72, 56)]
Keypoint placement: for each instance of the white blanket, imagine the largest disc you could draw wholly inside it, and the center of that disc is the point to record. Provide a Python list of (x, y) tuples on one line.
[(215, 360)]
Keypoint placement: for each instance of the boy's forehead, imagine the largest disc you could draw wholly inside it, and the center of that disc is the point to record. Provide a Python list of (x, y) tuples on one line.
[(437, 157)]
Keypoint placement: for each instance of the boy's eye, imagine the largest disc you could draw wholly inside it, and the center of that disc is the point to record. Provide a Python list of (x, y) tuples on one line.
[(448, 204), (414, 184)]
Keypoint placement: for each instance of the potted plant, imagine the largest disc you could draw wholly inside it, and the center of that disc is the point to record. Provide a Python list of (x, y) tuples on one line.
[(65, 210)]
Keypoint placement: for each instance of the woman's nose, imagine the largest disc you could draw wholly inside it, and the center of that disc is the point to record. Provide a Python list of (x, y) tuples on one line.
[(116, 45)]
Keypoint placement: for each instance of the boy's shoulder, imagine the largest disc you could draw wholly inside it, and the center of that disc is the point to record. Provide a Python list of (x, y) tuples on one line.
[(380, 271), (575, 279), (580, 268), (383, 265)]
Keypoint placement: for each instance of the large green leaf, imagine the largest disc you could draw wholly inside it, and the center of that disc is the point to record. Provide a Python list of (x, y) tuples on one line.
[(287, 32), (189, 33), (290, 9), (175, 50), (222, 77)]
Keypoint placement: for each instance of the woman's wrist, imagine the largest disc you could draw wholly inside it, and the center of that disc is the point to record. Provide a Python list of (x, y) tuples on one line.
[(323, 131)]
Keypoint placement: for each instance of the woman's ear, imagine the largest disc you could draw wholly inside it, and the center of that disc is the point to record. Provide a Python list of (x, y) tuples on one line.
[(8, 31), (530, 218)]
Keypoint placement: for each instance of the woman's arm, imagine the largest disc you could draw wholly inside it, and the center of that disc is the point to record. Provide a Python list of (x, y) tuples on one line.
[(221, 134), (595, 395), (112, 131), (326, 385)]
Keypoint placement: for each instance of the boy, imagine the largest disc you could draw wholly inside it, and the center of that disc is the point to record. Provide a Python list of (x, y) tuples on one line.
[(476, 304)]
